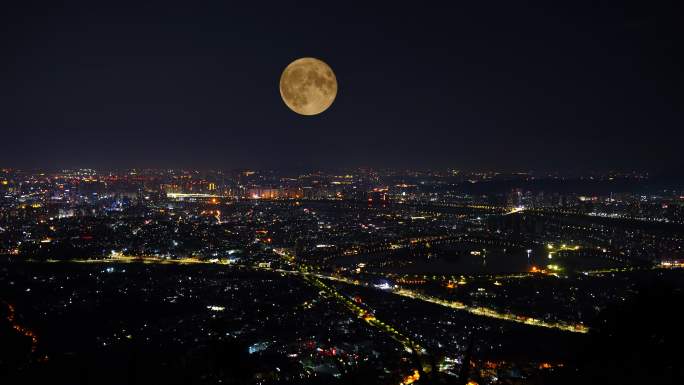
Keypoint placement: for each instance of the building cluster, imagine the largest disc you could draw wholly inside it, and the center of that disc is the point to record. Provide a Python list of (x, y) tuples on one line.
[(362, 275)]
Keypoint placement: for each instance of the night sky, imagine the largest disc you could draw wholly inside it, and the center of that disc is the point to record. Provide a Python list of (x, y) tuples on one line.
[(477, 85)]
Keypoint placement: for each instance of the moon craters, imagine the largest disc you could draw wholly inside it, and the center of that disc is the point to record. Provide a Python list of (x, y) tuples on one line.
[(308, 86)]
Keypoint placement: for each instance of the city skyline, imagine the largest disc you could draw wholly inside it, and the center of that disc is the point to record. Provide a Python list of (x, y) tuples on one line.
[(363, 276), (341, 193)]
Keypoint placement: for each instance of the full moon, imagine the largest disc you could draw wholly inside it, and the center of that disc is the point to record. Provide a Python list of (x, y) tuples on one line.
[(308, 86)]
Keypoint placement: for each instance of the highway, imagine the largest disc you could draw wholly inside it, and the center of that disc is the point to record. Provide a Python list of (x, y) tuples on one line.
[(403, 292), (369, 317), (476, 310)]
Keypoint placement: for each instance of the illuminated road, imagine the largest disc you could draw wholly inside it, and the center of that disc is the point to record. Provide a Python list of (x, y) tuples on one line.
[(515, 210), (26, 332), (476, 310), (491, 313), (367, 315), (413, 242)]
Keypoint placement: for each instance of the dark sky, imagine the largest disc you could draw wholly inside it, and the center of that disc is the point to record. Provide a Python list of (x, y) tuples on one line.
[(474, 84)]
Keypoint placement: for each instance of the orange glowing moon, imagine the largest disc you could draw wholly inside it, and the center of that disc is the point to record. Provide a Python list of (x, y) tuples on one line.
[(308, 86)]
